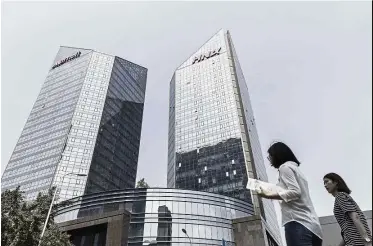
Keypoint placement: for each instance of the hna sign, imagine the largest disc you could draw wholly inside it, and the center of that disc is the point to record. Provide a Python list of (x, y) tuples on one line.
[(207, 56), (67, 60)]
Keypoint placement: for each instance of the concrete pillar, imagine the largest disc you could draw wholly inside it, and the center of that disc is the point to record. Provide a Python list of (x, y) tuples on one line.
[(249, 231)]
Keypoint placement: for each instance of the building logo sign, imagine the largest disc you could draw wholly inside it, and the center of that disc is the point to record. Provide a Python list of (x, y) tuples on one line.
[(67, 60), (206, 56)]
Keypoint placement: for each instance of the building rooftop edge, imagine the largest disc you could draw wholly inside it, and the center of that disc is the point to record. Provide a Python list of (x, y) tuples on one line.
[(109, 192), (64, 46), (221, 29)]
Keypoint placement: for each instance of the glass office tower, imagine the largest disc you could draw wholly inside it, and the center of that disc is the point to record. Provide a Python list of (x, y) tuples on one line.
[(86, 120), (213, 141)]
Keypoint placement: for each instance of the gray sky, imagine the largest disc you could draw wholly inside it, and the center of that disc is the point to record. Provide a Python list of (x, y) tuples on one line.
[(307, 66)]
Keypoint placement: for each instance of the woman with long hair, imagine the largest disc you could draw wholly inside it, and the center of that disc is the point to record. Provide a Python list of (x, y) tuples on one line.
[(354, 226), (302, 226)]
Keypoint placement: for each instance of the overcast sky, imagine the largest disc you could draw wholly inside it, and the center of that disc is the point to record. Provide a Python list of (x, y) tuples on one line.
[(307, 66)]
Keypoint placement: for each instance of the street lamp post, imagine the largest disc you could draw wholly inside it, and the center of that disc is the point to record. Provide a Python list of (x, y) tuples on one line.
[(185, 232), (50, 207)]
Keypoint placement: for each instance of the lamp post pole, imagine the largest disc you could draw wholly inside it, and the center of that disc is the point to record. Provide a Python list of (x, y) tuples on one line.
[(185, 232), (50, 207)]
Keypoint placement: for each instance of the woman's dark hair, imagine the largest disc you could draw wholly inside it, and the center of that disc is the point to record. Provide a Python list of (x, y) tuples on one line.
[(280, 153), (341, 184)]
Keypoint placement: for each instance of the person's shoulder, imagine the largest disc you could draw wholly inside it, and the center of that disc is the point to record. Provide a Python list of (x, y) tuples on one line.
[(342, 195), (288, 165), (345, 200)]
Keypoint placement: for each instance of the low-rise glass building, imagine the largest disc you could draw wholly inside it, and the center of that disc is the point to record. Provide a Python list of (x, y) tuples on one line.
[(159, 215)]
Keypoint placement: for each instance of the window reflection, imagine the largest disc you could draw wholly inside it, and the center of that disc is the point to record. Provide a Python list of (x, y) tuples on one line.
[(148, 208), (164, 232), (188, 208)]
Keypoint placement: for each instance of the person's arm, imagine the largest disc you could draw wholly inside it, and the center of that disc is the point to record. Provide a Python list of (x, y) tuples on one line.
[(359, 225), (292, 191), (348, 206), (342, 243)]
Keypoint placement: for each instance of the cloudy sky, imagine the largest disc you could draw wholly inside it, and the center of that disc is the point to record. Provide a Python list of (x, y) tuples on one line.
[(307, 66)]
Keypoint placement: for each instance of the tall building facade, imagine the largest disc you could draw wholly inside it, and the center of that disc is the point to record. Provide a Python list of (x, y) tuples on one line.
[(86, 120), (213, 141)]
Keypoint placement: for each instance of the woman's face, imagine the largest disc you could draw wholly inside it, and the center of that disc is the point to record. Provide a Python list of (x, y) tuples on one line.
[(269, 159), (330, 185)]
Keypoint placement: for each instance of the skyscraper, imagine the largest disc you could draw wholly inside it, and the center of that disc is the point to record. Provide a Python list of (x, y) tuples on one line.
[(86, 120), (164, 231), (213, 141)]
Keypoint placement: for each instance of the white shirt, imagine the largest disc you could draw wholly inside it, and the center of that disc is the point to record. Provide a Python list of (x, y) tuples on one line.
[(297, 205)]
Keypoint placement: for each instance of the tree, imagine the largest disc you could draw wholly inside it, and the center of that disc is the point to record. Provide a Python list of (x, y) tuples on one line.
[(142, 184), (22, 221)]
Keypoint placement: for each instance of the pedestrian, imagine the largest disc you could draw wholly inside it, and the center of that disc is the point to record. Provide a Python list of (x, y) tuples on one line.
[(354, 226), (301, 223)]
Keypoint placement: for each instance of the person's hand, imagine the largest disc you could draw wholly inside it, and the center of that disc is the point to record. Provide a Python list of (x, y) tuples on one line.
[(261, 192), (368, 241)]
